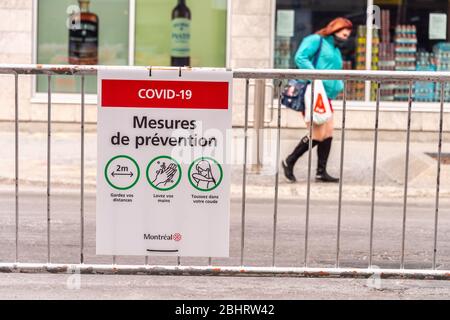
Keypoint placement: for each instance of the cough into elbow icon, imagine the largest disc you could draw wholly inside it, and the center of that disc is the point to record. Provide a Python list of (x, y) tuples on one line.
[(205, 174), (203, 178)]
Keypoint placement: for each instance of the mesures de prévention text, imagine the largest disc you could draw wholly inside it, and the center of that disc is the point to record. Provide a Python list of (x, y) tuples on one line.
[(143, 122)]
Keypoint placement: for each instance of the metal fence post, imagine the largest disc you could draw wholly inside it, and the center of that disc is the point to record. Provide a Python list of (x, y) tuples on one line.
[(16, 161), (438, 173), (49, 144), (244, 172), (374, 173), (258, 123), (82, 174)]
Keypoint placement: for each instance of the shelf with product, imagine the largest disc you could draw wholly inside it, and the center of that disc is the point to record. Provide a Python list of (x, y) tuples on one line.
[(406, 54), (441, 56), (411, 41), (405, 42), (403, 39), (356, 89)]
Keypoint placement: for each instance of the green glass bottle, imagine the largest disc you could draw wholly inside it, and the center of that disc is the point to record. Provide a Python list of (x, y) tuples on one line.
[(181, 35)]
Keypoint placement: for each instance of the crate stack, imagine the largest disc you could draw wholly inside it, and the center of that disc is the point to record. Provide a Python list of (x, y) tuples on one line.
[(359, 86), (375, 60), (387, 62), (405, 56), (361, 60), (442, 59), (385, 26), (386, 56), (347, 65), (424, 91)]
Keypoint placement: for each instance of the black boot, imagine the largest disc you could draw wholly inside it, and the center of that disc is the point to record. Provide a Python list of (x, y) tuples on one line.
[(300, 149), (323, 151)]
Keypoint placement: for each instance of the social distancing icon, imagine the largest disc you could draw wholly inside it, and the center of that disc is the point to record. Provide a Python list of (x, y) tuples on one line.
[(122, 172)]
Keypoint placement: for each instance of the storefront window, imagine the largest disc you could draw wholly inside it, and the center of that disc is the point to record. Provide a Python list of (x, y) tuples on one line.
[(97, 35), (411, 35), (181, 32), (297, 19), (166, 33)]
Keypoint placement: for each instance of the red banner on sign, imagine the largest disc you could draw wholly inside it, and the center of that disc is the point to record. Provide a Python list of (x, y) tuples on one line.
[(164, 94)]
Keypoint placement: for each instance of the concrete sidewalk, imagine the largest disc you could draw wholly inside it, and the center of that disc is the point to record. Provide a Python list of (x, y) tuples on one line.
[(56, 286), (358, 167)]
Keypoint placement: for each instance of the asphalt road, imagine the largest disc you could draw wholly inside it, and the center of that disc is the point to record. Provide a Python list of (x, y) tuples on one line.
[(65, 226)]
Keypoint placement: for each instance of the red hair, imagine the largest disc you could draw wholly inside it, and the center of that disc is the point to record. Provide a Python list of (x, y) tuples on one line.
[(335, 25)]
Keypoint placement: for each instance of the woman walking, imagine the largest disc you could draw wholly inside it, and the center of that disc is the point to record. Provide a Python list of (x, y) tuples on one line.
[(321, 51)]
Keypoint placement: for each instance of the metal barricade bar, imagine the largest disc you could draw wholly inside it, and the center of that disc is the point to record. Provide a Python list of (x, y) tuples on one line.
[(426, 274), (247, 74), (241, 73)]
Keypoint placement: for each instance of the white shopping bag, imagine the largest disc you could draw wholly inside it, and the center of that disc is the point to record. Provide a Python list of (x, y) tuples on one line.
[(322, 109)]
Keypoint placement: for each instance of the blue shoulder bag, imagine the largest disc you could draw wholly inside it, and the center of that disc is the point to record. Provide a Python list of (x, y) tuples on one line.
[(293, 95)]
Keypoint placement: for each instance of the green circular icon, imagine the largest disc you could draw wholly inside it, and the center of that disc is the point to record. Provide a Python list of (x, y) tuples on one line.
[(205, 174), (121, 173), (163, 173)]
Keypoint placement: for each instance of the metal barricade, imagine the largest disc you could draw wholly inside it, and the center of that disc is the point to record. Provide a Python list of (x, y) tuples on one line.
[(273, 270)]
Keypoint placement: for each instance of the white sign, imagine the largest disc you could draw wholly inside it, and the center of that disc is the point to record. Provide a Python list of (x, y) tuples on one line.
[(285, 23), (438, 26), (162, 177)]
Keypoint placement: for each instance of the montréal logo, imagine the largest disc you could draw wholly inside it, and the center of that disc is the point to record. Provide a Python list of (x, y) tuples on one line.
[(168, 237)]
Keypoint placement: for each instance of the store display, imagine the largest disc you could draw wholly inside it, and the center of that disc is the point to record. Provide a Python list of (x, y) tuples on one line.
[(402, 35), (351, 85), (83, 36), (375, 60), (386, 56), (441, 53), (357, 88), (386, 61), (424, 91), (360, 57), (405, 56), (385, 26), (180, 43)]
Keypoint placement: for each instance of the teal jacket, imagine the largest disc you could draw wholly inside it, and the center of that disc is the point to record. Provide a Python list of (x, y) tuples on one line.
[(330, 58)]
